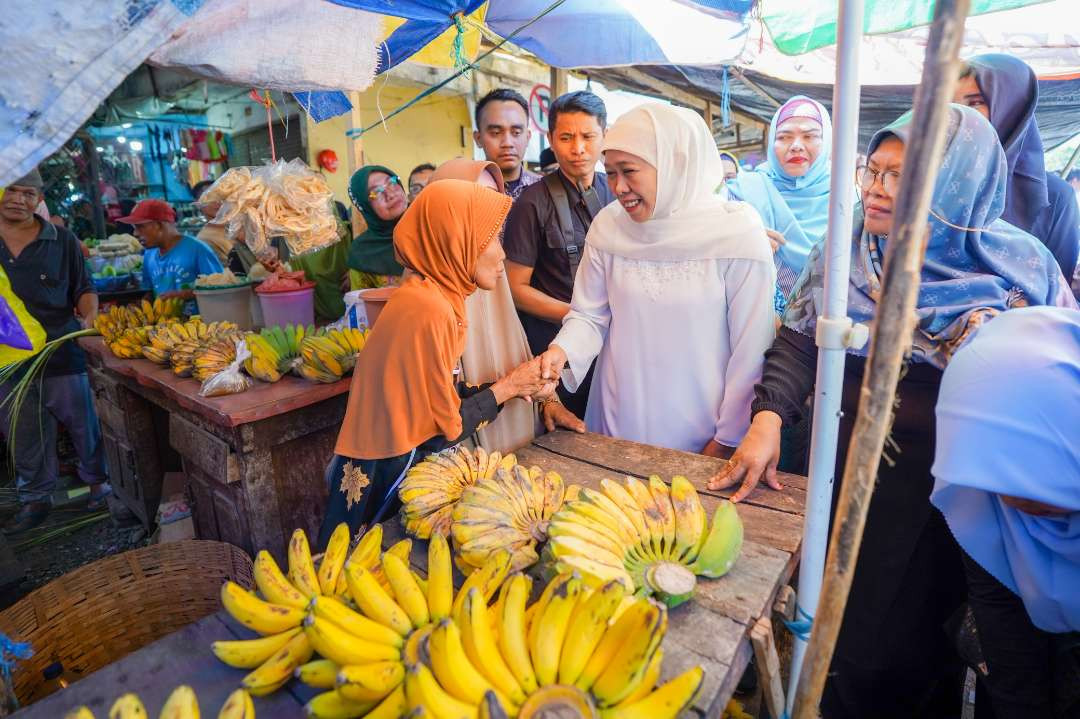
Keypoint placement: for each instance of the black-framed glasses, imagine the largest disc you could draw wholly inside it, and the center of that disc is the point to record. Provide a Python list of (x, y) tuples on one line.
[(378, 192), (866, 176)]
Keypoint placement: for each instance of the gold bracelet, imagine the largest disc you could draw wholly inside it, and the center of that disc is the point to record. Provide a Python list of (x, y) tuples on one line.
[(548, 400)]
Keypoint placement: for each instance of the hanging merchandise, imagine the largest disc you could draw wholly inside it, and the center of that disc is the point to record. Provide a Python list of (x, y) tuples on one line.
[(21, 335), (328, 160), (281, 199)]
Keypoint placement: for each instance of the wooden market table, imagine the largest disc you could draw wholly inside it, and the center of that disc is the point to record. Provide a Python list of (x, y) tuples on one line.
[(254, 460), (713, 629)]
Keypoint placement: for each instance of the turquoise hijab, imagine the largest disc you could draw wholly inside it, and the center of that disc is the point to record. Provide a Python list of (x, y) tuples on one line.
[(796, 207)]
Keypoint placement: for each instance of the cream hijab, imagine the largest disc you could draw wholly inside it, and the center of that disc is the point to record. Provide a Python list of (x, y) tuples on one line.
[(690, 221), (495, 342)]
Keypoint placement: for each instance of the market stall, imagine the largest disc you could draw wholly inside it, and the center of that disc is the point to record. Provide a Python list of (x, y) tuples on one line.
[(712, 630)]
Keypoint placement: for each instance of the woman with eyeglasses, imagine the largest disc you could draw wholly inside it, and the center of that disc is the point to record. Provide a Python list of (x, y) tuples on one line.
[(893, 658), (377, 193)]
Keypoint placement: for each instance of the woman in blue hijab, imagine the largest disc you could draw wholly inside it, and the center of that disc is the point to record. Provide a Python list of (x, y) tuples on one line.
[(892, 657), (791, 189), (1005, 90), (1008, 484)]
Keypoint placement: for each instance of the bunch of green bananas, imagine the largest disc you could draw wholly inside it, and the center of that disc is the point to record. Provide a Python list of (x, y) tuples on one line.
[(286, 343), (651, 537), (511, 510), (181, 704), (432, 487)]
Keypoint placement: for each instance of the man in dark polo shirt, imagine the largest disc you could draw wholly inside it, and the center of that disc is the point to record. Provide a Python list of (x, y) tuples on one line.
[(545, 231), (48, 273), (502, 132)]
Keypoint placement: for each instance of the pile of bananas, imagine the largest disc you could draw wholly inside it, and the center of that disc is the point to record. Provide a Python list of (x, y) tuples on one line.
[(285, 343), (162, 338), (432, 487), (329, 357), (128, 343), (511, 510), (112, 322), (214, 357), (650, 537), (191, 339), (181, 704), (265, 363)]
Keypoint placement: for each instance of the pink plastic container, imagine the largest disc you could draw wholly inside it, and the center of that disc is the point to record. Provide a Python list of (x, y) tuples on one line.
[(296, 307)]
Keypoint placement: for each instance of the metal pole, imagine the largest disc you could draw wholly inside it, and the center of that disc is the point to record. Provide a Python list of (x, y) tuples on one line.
[(1072, 162), (830, 367), (94, 166)]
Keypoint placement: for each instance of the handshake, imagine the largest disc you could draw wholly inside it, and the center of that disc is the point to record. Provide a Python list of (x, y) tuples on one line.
[(537, 380)]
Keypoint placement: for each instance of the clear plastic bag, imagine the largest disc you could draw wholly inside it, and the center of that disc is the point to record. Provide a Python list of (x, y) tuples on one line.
[(230, 380)]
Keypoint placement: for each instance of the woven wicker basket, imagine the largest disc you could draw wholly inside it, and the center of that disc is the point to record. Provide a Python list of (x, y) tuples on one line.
[(103, 611)]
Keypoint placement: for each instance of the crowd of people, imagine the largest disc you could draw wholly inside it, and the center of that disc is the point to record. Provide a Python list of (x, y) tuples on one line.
[(673, 299)]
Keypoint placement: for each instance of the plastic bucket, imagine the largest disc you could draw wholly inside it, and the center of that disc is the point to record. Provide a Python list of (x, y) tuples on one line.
[(374, 301), (295, 307), (230, 304)]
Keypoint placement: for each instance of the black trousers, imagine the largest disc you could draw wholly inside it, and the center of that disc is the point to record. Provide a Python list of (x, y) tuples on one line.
[(540, 333)]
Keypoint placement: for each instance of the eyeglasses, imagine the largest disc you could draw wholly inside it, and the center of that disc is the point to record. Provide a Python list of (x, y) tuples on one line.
[(378, 192), (865, 177)]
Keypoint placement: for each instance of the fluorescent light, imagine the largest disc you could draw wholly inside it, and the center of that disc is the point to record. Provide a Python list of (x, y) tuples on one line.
[(126, 125), (71, 185), (136, 145), (99, 148), (121, 139)]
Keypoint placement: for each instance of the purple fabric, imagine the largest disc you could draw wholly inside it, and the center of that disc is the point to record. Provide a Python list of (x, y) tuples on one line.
[(12, 333)]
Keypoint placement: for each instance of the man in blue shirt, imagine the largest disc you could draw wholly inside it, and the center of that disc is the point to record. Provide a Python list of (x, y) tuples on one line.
[(172, 261)]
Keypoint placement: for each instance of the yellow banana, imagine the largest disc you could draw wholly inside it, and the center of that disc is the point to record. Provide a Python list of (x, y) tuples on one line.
[(661, 495), (654, 526), (401, 549), (301, 569), (128, 706), (80, 713), (181, 704), (250, 653), (273, 584), (334, 558), (451, 667), (263, 617), (334, 643), (406, 590), (629, 663), (487, 579), (370, 682), (648, 681), (416, 641), (633, 619), (422, 690), (440, 592), (629, 507), (318, 673), (366, 554), (331, 705), (666, 702), (278, 669), (513, 631), (482, 649), (374, 601), (392, 707), (690, 519), (551, 628), (355, 623), (238, 706), (586, 628)]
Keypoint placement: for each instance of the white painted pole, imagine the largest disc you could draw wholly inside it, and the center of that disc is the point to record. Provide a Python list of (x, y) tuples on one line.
[(830, 368)]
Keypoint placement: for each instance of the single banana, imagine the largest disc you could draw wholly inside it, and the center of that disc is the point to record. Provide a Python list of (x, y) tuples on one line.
[(630, 662), (586, 629), (666, 702), (181, 704), (452, 667), (648, 681), (318, 673), (128, 706), (392, 707), (513, 632), (301, 568), (263, 617), (407, 592), (653, 523), (278, 669), (721, 546), (551, 628), (250, 653), (332, 705), (334, 643), (80, 713), (333, 559), (366, 554), (632, 620), (440, 589), (422, 690), (238, 706), (691, 521), (482, 649), (661, 495), (370, 682), (487, 579), (374, 601), (354, 623), (274, 585)]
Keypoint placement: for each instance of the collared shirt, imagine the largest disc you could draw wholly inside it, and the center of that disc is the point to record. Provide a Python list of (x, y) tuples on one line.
[(49, 276), (533, 237), (525, 179)]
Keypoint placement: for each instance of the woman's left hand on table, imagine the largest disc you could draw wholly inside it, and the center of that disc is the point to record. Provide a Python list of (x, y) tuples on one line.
[(555, 415)]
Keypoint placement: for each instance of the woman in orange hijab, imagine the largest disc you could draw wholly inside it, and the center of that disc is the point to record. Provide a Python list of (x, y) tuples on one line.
[(405, 401)]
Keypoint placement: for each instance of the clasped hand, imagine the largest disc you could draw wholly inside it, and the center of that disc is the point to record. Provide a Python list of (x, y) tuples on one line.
[(524, 381)]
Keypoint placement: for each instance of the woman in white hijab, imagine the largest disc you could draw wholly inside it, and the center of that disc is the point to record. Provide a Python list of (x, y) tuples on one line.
[(674, 292)]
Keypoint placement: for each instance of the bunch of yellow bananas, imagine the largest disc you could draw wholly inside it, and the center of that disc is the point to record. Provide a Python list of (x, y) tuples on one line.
[(181, 704), (214, 357), (128, 342), (511, 510), (164, 336), (650, 537), (264, 362), (188, 339), (113, 321), (329, 357), (432, 487)]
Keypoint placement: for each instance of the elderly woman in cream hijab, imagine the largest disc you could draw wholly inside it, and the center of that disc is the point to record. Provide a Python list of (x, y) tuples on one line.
[(674, 292), (495, 343)]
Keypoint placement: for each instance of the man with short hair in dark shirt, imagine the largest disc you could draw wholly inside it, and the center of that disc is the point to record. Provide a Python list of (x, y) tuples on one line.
[(541, 253), (45, 266), (419, 178), (502, 132)]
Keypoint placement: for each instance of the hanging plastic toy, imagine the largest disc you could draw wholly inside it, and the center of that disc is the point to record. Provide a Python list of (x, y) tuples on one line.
[(21, 335)]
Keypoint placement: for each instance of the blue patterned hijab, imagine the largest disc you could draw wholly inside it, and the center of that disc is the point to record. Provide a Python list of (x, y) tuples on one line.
[(796, 207), (976, 264), (1007, 417)]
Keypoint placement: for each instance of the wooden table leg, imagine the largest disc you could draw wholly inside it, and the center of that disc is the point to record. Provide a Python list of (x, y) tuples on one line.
[(768, 665), (261, 502)]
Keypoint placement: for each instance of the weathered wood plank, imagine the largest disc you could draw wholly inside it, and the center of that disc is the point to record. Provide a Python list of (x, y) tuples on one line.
[(211, 454), (155, 670), (642, 460), (700, 637)]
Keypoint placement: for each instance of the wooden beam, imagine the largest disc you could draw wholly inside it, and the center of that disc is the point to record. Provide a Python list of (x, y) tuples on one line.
[(754, 86), (710, 113), (355, 157), (559, 85), (667, 91)]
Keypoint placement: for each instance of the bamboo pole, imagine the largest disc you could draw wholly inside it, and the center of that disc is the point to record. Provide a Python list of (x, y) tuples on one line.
[(891, 339)]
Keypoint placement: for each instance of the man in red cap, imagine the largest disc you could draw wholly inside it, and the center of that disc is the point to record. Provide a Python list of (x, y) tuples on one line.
[(172, 261)]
